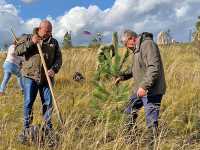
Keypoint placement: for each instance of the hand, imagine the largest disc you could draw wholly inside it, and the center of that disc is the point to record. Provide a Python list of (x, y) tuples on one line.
[(51, 73), (36, 39), (117, 81), (141, 92)]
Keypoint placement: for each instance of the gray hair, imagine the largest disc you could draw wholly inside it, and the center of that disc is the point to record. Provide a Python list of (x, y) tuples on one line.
[(128, 33)]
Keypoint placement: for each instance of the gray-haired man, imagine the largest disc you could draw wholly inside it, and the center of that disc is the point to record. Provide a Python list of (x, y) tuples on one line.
[(148, 74)]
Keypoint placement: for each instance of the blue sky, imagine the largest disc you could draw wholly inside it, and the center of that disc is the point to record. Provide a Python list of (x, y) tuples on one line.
[(104, 16), (54, 8)]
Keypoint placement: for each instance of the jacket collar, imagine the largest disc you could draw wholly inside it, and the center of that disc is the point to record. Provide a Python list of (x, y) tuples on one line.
[(139, 43)]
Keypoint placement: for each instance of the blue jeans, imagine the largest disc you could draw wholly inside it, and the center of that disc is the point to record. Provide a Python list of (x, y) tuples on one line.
[(9, 69), (151, 106), (31, 88)]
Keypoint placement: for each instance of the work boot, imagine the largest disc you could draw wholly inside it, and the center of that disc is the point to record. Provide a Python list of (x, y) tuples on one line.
[(130, 128), (24, 136), (151, 137)]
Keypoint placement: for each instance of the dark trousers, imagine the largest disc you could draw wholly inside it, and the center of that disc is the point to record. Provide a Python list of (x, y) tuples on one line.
[(151, 106)]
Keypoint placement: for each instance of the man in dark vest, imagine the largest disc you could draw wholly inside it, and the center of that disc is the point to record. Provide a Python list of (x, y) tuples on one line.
[(34, 78)]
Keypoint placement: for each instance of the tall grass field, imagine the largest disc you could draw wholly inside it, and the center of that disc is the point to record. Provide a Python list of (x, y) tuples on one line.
[(92, 124)]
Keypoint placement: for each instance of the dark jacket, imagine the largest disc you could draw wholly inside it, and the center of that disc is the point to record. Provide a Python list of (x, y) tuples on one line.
[(32, 66), (147, 69)]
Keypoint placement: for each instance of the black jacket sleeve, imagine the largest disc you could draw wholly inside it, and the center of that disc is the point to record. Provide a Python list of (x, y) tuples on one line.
[(58, 59)]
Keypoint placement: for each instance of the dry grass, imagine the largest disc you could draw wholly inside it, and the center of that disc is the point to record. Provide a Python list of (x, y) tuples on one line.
[(85, 130)]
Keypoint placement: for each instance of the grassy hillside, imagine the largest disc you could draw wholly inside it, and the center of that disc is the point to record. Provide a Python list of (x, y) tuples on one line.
[(86, 128)]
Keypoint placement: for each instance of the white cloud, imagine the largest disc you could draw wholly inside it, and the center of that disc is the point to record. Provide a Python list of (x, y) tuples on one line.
[(140, 15), (8, 19), (181, 12), (8, 9), (2, 2), (30, 24), (28, 1)]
